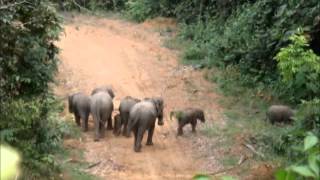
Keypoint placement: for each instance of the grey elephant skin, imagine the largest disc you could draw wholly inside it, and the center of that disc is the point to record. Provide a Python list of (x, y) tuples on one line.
[(101, 110), (106, 88), (79, 105), (142, 117), (125, 106), (117, 125), (188, 116), (279, 114)]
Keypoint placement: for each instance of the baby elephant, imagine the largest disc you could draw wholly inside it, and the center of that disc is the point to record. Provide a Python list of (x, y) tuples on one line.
[(188, 116), (79, 105), (118, 123), (279, 113)]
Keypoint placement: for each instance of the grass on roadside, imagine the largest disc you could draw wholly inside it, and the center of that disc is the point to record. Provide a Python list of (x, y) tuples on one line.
[(71, 159)]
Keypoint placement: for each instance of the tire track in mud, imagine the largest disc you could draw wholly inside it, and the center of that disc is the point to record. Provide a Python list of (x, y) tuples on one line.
[(130, 57)]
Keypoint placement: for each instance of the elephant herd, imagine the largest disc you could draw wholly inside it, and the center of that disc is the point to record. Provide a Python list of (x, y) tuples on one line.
[(135, 115)]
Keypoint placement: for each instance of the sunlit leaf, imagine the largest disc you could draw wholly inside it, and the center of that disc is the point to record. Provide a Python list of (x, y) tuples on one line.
[(310, 141), (284, 175), (302, 170)]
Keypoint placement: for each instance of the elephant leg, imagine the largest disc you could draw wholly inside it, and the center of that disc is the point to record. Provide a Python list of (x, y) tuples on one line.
[(193, 125), (84, 123), (135, 132), (180, 130), (137, 147), (86, 127), (103, 130), (125, 124), (150, 135), (117, 127), (77, 118), (96, 129), (102, 124), (109, 126)]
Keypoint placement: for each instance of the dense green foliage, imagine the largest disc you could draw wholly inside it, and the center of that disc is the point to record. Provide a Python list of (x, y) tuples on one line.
[(29, 112), (93, 5), (27, 50), (308, 165), (250, 36), (247, 33), (140, 10), (31, 126), (283, 141), (300, 70)]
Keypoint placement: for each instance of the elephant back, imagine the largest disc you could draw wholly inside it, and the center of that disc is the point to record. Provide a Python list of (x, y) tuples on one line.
[(143, 108), (279, 113), (101, 100), (79, 101), (194, 112), (106, 88), (127, 103)]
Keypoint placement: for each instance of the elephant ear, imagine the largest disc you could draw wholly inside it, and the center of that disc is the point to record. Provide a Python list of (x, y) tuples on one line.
[(111, 93), (158, 102)]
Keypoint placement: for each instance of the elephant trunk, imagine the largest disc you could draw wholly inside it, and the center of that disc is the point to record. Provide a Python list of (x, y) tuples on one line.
[(160, 120)]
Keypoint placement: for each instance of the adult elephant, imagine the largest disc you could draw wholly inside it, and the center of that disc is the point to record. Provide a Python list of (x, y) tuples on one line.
[(142, 117), (79, 105), (106, 88), (126, 105), (101, 109)]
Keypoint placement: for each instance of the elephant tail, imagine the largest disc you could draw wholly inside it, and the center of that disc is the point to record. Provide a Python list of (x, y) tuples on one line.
[(95, 111), (132, 121)]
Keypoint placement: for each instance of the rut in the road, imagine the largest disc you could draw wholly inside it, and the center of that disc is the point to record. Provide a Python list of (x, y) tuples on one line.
[(131, 58)]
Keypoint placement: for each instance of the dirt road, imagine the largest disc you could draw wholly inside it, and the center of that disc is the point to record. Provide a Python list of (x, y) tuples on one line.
[(131, 57)]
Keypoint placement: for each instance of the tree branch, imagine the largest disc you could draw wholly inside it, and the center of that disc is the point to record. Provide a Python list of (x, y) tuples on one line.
[(250, 147), (241, 161), (79, 6)]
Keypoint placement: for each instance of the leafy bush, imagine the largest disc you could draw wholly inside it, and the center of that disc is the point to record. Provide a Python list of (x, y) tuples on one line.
[(27, 61), (31, 126), (140, 10), (300, 70), (90, 4), (193, 11), (308, 165), (251, 35), (308, 116), (29, 113)]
